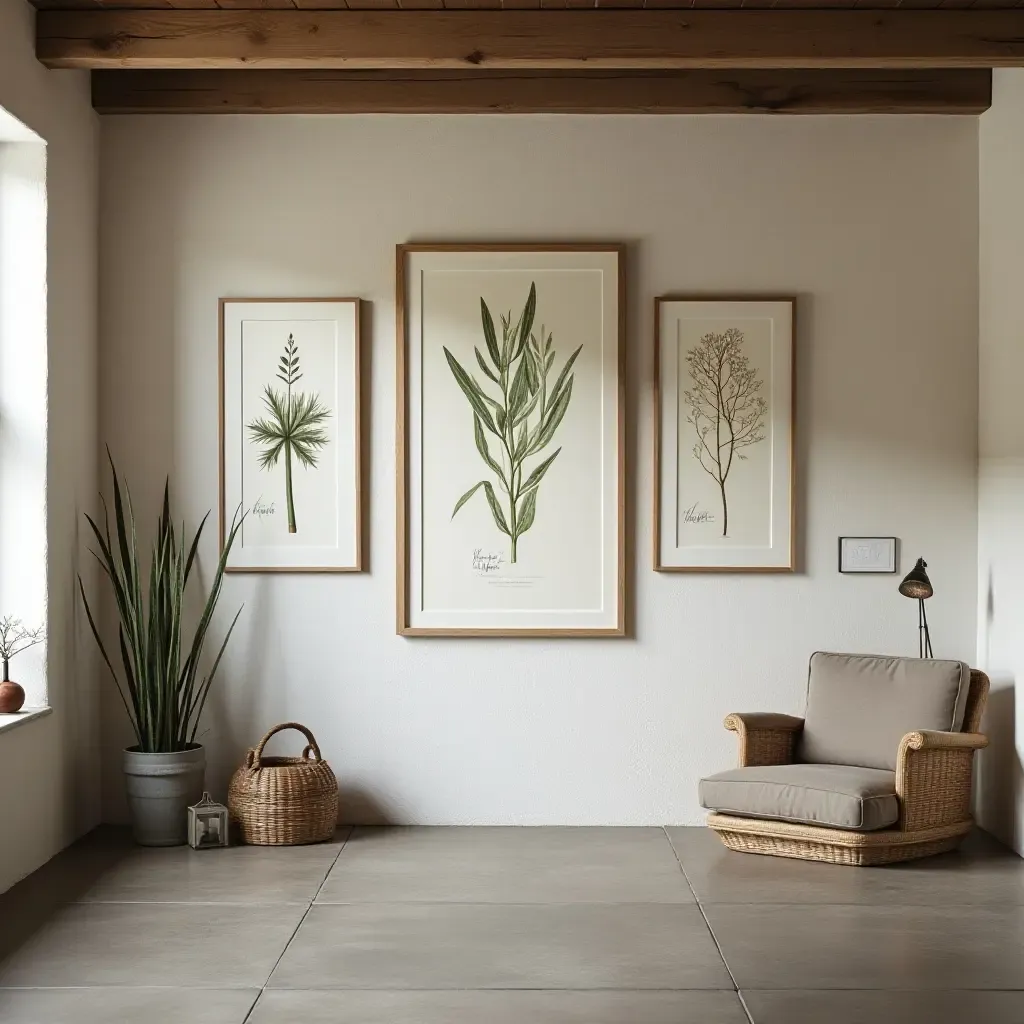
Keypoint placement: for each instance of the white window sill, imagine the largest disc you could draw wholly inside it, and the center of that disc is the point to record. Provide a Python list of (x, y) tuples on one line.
[(8, 722)]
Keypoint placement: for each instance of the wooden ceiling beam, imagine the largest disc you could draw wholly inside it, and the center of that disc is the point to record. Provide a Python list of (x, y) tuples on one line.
[(519, 39), (535, 92)]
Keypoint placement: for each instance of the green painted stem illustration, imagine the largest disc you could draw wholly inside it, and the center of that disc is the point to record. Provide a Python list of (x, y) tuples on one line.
[(288, 486), (294, 425), (525, 419)]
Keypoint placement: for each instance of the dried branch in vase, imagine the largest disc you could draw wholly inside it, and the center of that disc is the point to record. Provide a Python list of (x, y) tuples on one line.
[(15, 637)]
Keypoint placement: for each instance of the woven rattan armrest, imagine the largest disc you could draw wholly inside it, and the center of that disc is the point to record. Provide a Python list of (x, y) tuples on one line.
[(762, 720), (928, 739), (765, 738), (933, 777)]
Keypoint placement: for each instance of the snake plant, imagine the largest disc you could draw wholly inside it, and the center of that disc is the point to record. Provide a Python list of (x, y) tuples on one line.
[(162, 689)]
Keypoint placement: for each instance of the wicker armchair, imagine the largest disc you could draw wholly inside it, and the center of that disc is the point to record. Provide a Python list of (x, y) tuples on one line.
[(933, 791)]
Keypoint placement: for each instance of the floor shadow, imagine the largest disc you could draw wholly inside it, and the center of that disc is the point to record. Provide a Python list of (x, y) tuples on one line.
[(69, 876), (358, 807)]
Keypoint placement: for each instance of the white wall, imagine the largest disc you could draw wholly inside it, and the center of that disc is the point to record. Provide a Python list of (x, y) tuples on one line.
[(1001, 454), (49, 767), (873, 221)]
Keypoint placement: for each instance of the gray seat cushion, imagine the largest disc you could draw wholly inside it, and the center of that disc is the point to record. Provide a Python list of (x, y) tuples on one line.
[(814, 794), (860, 706)]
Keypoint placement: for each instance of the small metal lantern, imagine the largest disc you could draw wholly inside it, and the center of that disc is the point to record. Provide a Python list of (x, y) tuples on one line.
[(207, 824)]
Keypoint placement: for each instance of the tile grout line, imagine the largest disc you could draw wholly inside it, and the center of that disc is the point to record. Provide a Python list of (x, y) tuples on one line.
[(305, 914), (707, 923), (812, 905), (746, 1009), (504, 988), (449, 989)]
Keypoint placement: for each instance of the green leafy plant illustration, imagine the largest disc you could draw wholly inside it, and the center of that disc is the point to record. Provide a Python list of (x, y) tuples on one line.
[(294, 424), (523, 420)]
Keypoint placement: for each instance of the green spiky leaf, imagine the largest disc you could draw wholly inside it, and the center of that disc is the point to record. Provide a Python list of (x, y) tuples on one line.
[(526, 320), (519, 392), (469, 494), (489, 335), (534, 479), (481, 446), (554, 418), (499, 516), (483, 366), (472, 391), (527, 512), (560, 380)]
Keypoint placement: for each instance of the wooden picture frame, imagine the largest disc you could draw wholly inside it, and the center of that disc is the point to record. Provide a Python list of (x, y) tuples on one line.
[(343, 428), (685, 544), (604, 358)]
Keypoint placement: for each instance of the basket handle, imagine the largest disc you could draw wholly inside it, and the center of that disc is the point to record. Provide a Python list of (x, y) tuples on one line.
[(257, 753)]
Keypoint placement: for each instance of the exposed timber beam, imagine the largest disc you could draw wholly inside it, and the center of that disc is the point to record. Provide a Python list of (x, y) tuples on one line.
[(529, 92), (518, 39)]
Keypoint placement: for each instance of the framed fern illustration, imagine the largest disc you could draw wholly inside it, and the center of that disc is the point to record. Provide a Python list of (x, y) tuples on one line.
[(724, 434), (290, 428), (510, 502)]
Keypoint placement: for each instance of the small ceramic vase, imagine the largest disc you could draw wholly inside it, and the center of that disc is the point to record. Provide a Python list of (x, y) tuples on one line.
[(12, 697)]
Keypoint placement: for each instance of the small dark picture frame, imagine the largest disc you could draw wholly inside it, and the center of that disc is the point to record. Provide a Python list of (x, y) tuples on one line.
[(868, 554)]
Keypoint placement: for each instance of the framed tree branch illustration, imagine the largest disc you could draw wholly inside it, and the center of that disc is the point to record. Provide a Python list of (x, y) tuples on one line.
[(290, 433), (510, 433), (724, 434)]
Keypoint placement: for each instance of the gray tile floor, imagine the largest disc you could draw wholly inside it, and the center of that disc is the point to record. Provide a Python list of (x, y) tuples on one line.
[(495, 926)]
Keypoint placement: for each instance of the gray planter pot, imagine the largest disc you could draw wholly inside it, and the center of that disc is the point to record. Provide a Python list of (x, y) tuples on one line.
[(160, 788)]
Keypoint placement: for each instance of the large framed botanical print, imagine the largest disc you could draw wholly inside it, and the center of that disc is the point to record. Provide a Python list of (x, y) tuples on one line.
[(290, 434), (510, 437), (724, 434)]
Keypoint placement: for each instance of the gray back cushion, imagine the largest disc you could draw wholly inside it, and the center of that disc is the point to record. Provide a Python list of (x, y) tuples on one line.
[(859, 706)]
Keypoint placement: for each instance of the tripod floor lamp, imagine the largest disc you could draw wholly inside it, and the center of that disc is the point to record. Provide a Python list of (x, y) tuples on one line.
[(917, 585)]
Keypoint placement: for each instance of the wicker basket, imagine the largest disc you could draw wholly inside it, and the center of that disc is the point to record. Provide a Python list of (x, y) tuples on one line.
[(284, 801)]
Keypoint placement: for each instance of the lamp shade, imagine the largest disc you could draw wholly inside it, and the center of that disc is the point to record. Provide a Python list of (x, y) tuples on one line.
[(916, 583)]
